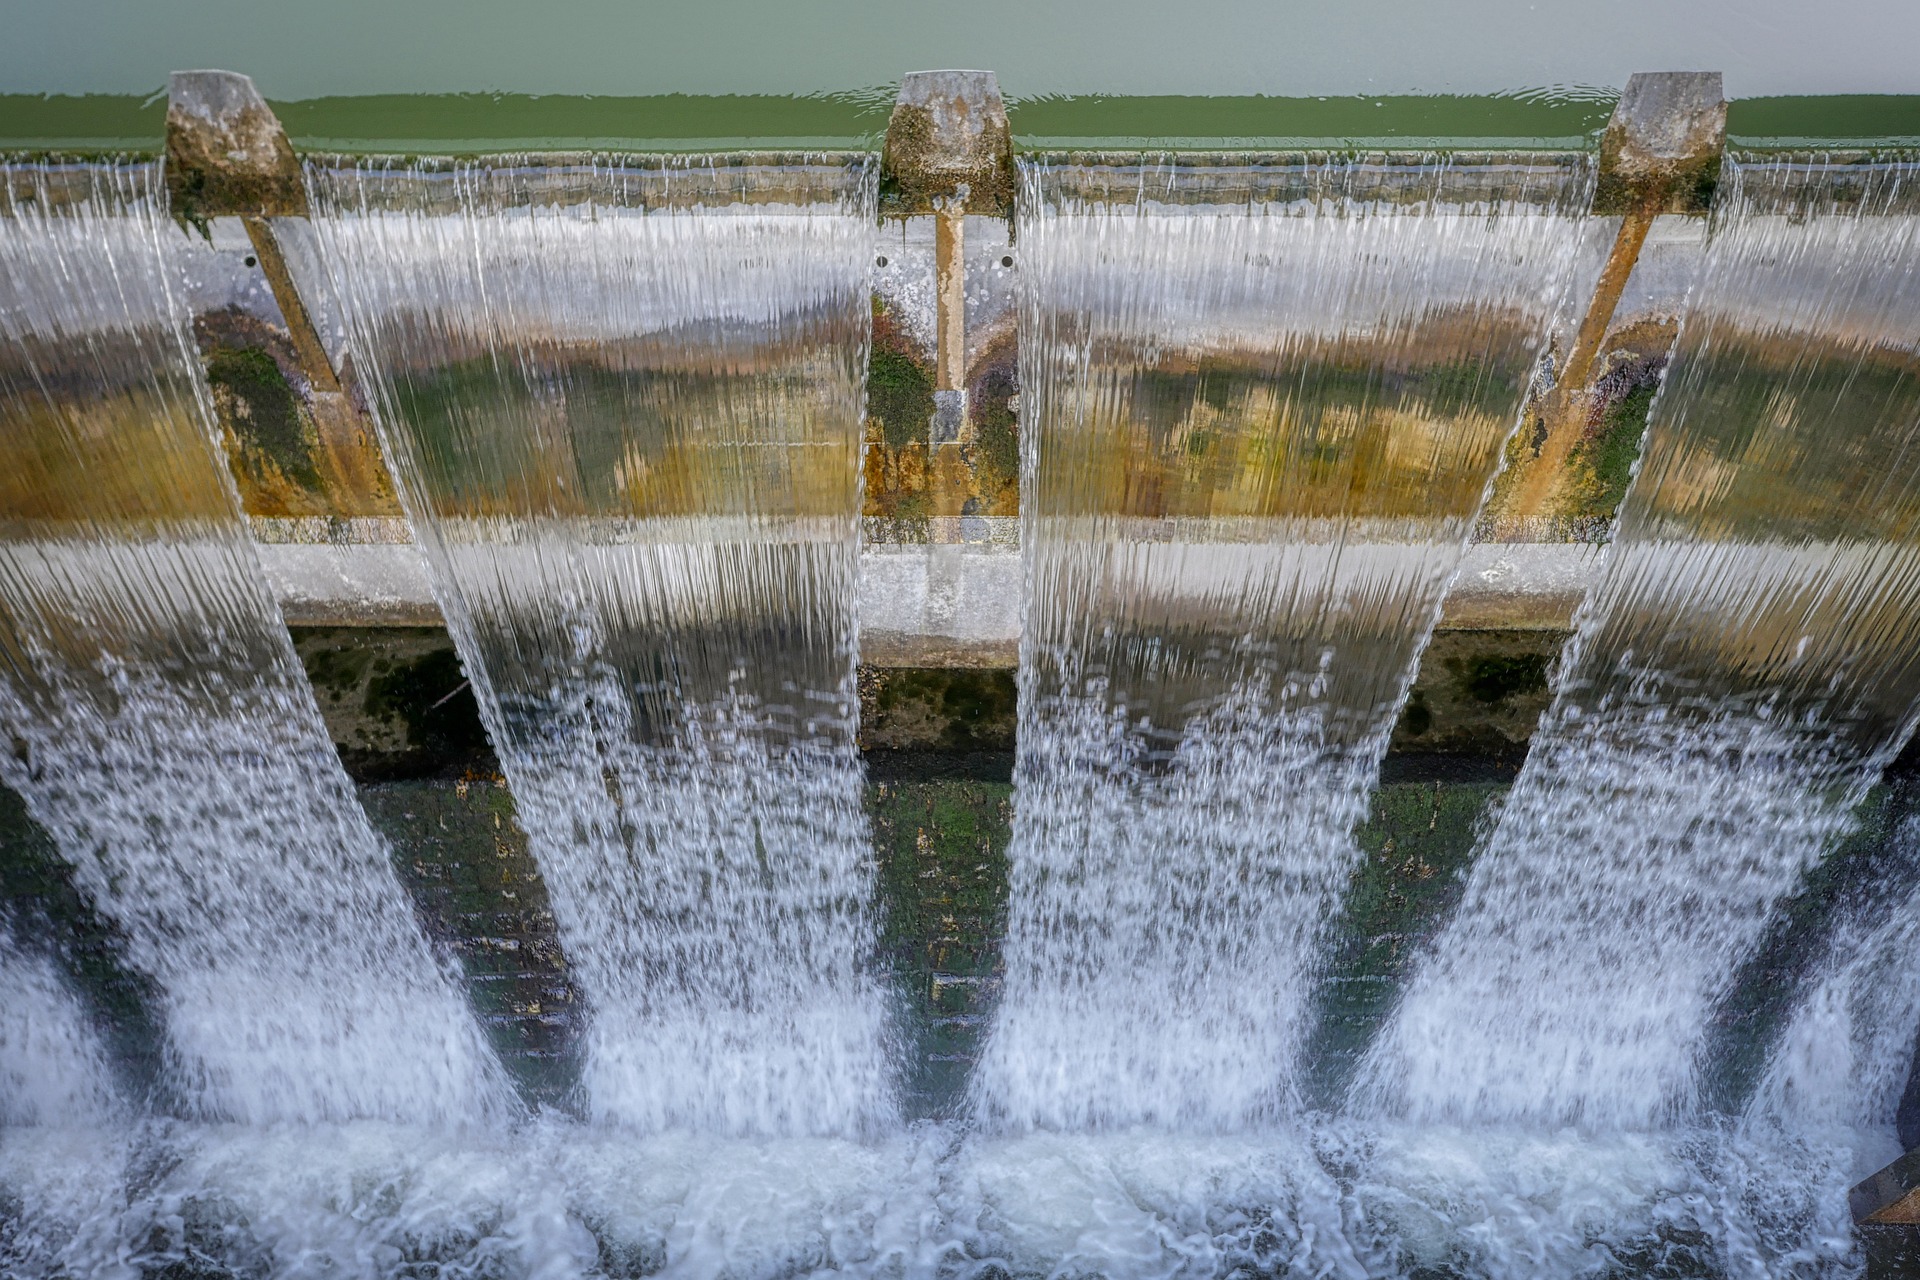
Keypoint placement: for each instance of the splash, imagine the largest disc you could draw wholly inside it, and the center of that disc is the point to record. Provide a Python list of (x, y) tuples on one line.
[(558, 1202), (53, 1066), (1847, 1050)]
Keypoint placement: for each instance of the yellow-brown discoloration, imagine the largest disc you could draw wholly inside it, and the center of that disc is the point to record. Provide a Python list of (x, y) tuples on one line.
[(1568, 407)]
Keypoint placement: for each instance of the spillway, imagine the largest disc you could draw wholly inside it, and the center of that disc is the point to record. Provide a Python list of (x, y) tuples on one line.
[(1263, 407), (794, 964), (1742, 672), (161, 728), (624, 409)]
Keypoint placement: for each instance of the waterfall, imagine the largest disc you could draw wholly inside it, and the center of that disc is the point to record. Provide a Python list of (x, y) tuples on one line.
[(53, 1066), (161, 728), (624, 407), (1745, 667), (1261, 403), (1849, 1045), (1261, 407)]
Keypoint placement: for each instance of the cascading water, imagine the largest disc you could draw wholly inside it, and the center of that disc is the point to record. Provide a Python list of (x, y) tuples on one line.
[(1746, 666), (53, 1066), (162, 730), (623, 404), (1847, 1050), (1262, 409), (624, 408), (61, 1111)]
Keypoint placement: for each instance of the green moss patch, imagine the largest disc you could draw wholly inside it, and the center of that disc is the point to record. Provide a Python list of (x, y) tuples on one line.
[(263, 413), (1418, 841), (1478, 693), (995, 450), (899, 384), (913, 175), (1600, 466), (476, 888), (942, 709), (396, 702), (942, 850), (1493, 678)]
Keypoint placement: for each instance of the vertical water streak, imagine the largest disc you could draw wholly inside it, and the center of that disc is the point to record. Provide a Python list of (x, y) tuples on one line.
[(624, 408), (1261, 409), (53, 1065), (1847, 1050), (1746, 665), (160, 726)]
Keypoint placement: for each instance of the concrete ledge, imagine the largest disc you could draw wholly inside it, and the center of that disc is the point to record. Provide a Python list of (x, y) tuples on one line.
[(921, 604), (1520, 586), (363, 585), (935, 605)]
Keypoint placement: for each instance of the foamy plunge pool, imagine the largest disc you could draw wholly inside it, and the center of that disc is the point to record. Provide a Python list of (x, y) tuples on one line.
[(551, 1199)]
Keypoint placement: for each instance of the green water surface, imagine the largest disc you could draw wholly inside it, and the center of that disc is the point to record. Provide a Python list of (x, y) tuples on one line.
[(474, 123)]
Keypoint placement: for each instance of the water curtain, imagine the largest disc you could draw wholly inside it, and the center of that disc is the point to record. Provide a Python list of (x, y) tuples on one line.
[(624, 407), (162, 729), (1261, 406), (1747, 664)]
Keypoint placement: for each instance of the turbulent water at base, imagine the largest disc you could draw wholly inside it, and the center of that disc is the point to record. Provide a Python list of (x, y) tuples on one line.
[(161, 727), (624, 406), (53, 1066), (1747, 664), (1846, 1054), (556, 1201), (1261, 409)]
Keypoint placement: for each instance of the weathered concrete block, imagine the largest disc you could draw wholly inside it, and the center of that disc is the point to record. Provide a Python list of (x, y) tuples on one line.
[(1661, 152), (943, 427), (227, 152), (948, 140), (298, 443), (940, 709), (1886, 1213), (1479, 693)]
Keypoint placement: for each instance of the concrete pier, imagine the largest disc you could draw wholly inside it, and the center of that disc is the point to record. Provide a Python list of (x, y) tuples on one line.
[(297, 441)]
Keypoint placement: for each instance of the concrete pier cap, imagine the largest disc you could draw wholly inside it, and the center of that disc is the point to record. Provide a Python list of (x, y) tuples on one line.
[(1662, 148), (948, 141), (227, 153), (1886, 1216)]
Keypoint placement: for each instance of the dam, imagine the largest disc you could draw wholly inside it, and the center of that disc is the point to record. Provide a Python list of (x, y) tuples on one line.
[(959, 698)]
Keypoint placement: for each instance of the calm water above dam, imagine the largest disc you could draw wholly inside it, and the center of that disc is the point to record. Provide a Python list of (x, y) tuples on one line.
[(1206, 989)]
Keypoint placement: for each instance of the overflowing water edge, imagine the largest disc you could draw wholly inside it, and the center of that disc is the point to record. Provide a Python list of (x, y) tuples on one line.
[(1262, 410)]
